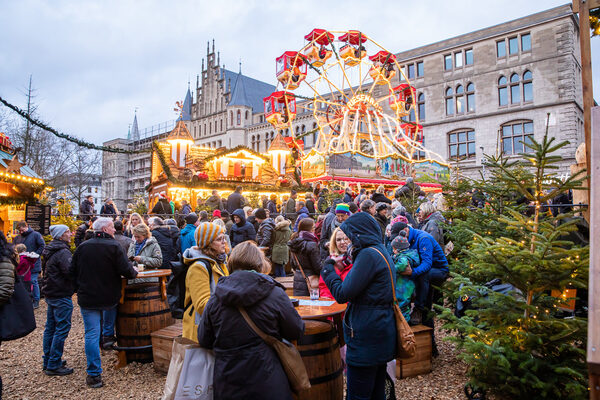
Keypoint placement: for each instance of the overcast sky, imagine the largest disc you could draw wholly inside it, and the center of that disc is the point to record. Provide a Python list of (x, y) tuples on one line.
[(94, 62)]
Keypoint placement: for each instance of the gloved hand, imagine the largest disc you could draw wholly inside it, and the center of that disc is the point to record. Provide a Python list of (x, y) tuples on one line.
[(328, 267)]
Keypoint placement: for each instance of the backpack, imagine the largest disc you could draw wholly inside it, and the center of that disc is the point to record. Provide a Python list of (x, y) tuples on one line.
[(318, 228), (176, 287)]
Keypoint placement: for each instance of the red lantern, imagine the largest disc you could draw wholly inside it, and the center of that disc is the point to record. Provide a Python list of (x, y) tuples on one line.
[(402, 99), (318, 55), (353, 51), (290, 69), (280, 109)]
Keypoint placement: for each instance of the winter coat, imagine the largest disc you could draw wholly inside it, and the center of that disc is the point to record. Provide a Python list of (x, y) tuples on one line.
[(200, 281), (35, 243), (186, 209), (25, 266), (326, 232), (108, 210), (433, 225), (246, 367), (7, 280), (431, 253), (150, 254), (405, 286), (409, 191), (281, 235), (306, 249), (347, 198), (86, 207), (241, 231), (383, 223), (342, 268), (235, 201), (187, 238), (123, 240), (252, 220), (369, 322), (80, 234), (167, 240), (96, 268), (290, 208), (214, 202), (302, 213), (310, 206), (161, 207), (57, 282), (264, 235), (272, 207), (380, 198)]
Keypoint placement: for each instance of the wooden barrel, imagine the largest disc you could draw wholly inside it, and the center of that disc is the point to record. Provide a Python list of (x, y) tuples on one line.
[(143, 311), (320, 352), (288, 284)]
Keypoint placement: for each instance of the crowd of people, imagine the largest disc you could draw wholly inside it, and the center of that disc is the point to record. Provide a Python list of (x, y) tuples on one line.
[(232, 253)]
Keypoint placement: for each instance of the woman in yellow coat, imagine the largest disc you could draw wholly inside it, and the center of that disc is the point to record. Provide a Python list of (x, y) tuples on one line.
[(207, 263)]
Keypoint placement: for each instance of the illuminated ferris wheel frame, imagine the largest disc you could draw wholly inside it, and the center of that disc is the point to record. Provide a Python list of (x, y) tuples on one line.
[(329, 59)]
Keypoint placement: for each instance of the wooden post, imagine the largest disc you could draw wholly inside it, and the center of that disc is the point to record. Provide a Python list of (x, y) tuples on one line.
[(593, 347)]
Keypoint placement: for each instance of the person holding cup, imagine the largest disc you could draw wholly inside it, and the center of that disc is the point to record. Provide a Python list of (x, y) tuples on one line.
[(338, 252), (144, 250)]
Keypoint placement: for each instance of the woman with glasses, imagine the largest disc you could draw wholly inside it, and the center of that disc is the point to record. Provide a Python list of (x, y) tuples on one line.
[(207, 262)]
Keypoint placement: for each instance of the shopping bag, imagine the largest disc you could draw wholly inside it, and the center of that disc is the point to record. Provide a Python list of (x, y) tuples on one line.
[(191, 370), (16, 317)]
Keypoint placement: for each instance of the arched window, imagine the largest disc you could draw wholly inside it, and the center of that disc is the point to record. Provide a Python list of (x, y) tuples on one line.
[(303, 128), (470, 97), (515, 134), (231, 118), (297, 130), (253, 142), (527, 86), (221, 125), (258, 143), (449, 101), (502, 91), (421, 106), (239, 117), (515, 90), (220, 143), (246, 117), (460, 99), (461, 144), (210, 127)]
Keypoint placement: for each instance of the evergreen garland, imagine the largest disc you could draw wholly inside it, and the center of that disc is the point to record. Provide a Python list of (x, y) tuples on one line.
[(70, 138)]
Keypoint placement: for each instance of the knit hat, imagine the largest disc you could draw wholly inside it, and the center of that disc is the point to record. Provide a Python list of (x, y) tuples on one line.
[(397, 227), (206, 233), (58, 230), (381, 206), (342, 209), (260, 213), (191, 218), (400, 242), (217, 213), (400, 218)]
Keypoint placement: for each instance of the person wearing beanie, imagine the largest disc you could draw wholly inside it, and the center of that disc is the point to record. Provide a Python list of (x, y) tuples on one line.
[(290, 206), (226, 217), (216, 214), (207, 262), (186, 238), (381, 210), (405, 259), (264, 235), (58, 289)]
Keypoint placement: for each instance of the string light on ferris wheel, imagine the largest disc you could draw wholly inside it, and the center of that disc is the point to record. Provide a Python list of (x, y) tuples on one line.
[(349, 113)]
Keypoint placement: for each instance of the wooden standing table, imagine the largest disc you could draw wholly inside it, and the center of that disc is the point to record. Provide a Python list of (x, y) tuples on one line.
[(334, 311), (161, 274)]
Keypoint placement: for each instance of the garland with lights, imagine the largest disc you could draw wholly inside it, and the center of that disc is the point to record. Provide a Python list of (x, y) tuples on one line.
[(13, 201), (70, 138), (36, 187)]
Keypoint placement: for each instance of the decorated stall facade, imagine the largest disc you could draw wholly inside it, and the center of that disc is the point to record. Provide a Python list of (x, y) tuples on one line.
[(19, 185), (183, 171)]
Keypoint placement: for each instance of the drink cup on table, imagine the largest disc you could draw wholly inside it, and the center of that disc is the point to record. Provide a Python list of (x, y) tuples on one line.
[(314, 294)]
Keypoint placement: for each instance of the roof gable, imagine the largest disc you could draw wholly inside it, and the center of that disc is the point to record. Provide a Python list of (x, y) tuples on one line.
[(246, 91)]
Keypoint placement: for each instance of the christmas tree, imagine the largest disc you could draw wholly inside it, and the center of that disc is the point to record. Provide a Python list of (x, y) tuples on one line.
[(517, 343)]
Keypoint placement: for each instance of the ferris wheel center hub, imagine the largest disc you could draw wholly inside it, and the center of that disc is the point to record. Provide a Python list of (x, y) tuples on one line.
[(361, 101)]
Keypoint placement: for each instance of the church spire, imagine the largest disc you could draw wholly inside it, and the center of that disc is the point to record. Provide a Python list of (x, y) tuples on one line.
[(135, 132)]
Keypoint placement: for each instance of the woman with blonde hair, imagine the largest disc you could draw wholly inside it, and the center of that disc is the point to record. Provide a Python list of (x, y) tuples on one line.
[(338, 251), (242, 358), (207, 262), (144, 249), (134, 219)]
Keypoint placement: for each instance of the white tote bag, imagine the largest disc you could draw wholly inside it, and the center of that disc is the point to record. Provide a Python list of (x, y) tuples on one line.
[(191, 372)]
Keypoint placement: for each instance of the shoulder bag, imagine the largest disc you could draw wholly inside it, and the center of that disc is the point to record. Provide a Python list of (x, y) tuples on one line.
[(314, 278), (406, 345), (16, 317), (288, 355)]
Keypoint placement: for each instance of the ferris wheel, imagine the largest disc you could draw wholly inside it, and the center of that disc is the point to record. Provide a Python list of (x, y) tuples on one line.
[(362, 104)]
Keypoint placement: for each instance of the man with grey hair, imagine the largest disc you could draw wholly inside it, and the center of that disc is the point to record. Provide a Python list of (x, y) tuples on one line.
[(96, 269), (368, 206)]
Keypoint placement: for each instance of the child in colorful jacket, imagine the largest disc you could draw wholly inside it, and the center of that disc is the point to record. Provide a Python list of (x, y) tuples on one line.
[(404, 258), (26, 264)]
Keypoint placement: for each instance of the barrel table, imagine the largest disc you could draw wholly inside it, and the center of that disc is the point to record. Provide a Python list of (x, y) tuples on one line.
[(143, 309), (319, 348)]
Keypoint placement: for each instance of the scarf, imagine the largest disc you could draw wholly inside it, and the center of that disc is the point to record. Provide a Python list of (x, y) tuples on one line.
[(139, 246), (308, 236)]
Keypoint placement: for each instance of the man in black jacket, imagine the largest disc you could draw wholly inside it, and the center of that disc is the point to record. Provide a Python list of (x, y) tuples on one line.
[(58, 288), (86, 209), (265, 230), (162, 206), (166, 238), (235, 200), (97, 267)]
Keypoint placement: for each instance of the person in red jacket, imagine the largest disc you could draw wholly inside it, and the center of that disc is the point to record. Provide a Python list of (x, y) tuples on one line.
[(338, 251), (26, 264)]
